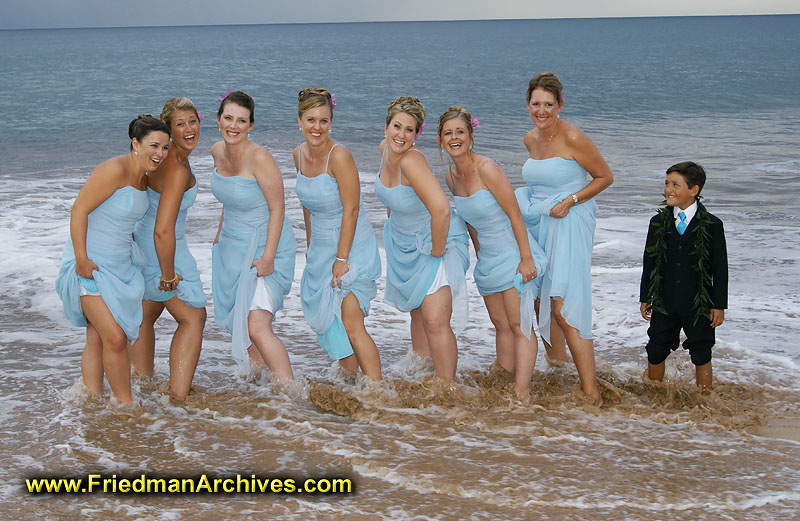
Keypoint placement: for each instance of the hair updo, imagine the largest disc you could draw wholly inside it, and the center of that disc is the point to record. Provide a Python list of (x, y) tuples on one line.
[(308, 99), (144, 125), (238, 97), (453, 112), (173, 105), (407, 105), (547, 81)]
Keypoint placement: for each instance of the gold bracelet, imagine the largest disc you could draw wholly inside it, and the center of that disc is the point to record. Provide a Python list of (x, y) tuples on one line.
[(171, 281)]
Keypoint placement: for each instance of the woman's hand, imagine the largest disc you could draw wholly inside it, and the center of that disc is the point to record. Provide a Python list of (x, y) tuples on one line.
[(562, 209), (169, 283), (527, 269), (85, 267), (339, 270), (263, 266)]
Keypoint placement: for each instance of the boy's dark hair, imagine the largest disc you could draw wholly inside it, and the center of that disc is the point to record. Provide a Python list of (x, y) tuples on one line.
[(692, 173)]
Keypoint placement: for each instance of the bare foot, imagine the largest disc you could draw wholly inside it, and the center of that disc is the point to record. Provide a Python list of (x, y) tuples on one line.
[(524, 396)]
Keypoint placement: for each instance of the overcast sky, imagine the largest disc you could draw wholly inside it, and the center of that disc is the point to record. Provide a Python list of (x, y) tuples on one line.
[(26, 14)]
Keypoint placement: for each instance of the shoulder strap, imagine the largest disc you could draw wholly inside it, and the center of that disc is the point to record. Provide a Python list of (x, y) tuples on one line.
[(300, 157), (329, 157)]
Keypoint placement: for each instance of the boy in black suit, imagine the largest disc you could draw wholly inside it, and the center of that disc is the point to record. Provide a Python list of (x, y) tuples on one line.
[(685, 275)]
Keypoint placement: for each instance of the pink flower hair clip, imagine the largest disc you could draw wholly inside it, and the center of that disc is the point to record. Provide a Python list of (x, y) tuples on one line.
[(333, 101), (421, 129), (474, 123), (200, 116), (222, 97)]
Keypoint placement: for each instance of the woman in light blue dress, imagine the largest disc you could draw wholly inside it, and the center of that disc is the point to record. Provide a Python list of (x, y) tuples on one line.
[(171, 277), (342, 260), (564, 173), (426, 247), (252, 260), (100, 281), (509, 260)]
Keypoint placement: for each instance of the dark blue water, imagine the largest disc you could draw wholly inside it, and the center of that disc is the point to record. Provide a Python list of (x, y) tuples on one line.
[(647, 90)]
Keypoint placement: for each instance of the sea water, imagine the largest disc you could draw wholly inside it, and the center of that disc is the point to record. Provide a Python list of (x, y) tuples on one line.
[(649, 92)]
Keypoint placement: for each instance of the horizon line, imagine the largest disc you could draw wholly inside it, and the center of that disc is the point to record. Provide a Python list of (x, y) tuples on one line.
[(397, 21)]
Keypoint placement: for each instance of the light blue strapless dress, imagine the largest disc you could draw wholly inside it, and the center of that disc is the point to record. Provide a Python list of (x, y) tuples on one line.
[(411, 269), (566, 241), (241, 241), (190, 288), (498, 256), (322, 305), (110, 245)]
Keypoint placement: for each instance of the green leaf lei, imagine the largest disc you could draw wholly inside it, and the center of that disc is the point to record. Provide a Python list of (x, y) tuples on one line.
[(658, 252)]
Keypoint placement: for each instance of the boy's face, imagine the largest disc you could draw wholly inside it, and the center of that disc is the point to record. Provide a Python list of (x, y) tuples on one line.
[(678, 192)]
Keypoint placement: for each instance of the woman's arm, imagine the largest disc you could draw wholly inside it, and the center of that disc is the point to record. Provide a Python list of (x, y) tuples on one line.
[(496, 181), (175, 178), (343, 168), (584, 151), (102, 182), (415, 168), (269, 179)]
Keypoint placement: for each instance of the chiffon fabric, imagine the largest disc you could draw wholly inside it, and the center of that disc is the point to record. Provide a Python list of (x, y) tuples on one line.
[(411, 269), (567, 241), (110, 245), (241, 241), (322, 304), (190, 287), (498, 253)]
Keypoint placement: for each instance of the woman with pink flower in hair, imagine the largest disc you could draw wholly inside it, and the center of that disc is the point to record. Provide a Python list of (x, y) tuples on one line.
[(342, 260), (510, 262), (564, 173), (427, 247)]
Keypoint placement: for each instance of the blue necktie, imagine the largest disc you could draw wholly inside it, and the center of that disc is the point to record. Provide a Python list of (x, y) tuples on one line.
[(681, 226)]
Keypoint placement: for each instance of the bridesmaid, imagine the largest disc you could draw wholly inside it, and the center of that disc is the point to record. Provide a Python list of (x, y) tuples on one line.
[(509, 260), (171, 277), (342, 260), (564, 173), (100, 281), (427, 248), (252, 260)]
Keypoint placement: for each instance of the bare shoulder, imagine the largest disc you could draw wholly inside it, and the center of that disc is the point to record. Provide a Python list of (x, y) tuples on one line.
[(216, 149), (576, 137), (529, 139), (414, 158), (110, 170), (340, 158), (488, 168)]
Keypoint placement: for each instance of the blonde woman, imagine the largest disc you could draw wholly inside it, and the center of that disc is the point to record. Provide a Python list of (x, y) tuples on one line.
[(427, 248), (342, 260), (171, 277), (509, 260)]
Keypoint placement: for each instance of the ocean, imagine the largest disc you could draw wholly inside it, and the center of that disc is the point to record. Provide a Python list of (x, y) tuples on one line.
[(649, 91)]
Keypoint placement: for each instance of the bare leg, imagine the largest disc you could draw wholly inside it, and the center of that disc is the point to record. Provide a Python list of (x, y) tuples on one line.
[(363, 346), (114, 360), (556, 350), (656, 372), (582, 353), (269, 346), (703, 378), (184, 350), (525, 350), (143, 350), (504, 336), (92, 362), (349, 363), (419, 340), (436, 310)]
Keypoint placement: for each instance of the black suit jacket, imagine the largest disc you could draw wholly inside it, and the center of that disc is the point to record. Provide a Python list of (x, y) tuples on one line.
[(680, 282)]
